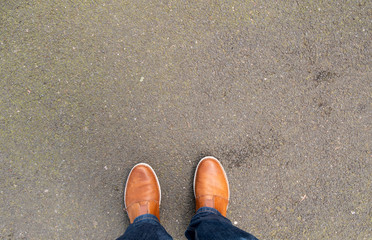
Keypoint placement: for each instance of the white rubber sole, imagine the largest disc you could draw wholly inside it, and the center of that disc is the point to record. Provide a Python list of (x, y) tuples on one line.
[(126, 183), (210, 157)]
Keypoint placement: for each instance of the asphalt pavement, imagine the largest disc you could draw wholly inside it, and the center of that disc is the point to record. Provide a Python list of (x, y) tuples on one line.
[(279, 91)]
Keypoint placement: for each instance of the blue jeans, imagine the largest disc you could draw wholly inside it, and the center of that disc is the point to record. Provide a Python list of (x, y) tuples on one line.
[(207, 224)]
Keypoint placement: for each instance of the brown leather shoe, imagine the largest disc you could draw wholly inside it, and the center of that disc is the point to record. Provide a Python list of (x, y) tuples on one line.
[(211, 187), (142, 192)]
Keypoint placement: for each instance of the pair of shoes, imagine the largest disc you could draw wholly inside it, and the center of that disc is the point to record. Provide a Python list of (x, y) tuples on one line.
[(142, 193)]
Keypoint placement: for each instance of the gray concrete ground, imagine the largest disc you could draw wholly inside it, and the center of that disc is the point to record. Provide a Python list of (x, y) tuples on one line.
[(279, 91)]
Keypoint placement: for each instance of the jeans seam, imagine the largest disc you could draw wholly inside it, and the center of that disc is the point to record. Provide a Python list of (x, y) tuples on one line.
[(208, 211), (146, 218)]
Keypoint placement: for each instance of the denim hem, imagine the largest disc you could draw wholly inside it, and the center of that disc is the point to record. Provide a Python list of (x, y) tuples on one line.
[(146, 218), (208, 209)]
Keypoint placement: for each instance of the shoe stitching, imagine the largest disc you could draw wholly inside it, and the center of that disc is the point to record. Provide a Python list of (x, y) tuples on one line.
[(207, 195), (146, 202)]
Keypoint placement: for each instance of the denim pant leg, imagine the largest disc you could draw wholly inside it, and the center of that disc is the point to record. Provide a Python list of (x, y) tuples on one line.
[(209, 224), (145, 227)]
